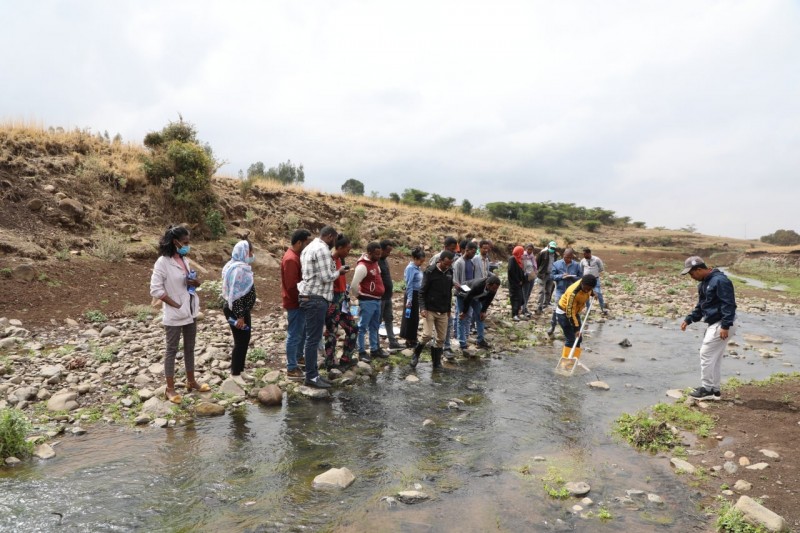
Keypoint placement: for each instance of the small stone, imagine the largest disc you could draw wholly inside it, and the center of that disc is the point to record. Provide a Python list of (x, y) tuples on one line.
[(729, 455), (313, 393), (625, 343), (633, 493), (599, 385), (742, 486), (44, 451), (655, 498), (758, 466), (272, 377), (209, 409), (160, 422), (427, 422), (229, 386), (744, 461), (411, 378), (770, 454), (77, 430), (680, 464), (539, 459), (577, 508), (730, 467), (141, 420), (577, 488), (12, 461), (676, 394), (410, 497), (587, 502), (335, 478), (63, 401)]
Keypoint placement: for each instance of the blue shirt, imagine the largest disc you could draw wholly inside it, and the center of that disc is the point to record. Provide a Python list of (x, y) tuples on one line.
[(413, 278), (561, 268)]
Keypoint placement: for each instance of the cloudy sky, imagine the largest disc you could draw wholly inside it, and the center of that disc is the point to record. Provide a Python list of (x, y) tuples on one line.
[(675, 113)]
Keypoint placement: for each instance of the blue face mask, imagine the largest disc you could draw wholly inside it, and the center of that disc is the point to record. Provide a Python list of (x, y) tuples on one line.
[(249, 260), (183, 250)]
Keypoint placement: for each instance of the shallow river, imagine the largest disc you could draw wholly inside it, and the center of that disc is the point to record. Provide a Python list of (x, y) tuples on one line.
[(251, 469)]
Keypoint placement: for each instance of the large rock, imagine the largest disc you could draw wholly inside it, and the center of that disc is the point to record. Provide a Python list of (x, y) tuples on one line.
[(412, 496), (757, 514), (155, 407), (270, 395), (51, 371), (8, 343), (209, 409), (312, 392), (44, 451), (229, 386), (22, 394), (63, 401), (109, 331), (72, 208), (24, 273), (577, 488), (680, 464), (335, 478)]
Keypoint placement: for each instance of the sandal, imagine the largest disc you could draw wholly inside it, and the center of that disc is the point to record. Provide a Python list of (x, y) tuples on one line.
[(198, 387), (173, 397)]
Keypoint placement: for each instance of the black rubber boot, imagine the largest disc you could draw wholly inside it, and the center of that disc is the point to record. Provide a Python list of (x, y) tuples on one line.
[(417, 352), (436, 355)]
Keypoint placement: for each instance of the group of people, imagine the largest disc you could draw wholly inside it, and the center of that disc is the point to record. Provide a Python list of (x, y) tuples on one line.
[(319, 302)]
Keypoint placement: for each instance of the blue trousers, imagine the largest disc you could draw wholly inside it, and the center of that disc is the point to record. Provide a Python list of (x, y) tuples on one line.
[(369, 321)]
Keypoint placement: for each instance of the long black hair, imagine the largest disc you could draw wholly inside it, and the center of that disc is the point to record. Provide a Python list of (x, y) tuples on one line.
[(174, 233)]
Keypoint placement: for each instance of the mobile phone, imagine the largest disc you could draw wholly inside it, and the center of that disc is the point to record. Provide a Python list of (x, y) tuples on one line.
[(346, 267)]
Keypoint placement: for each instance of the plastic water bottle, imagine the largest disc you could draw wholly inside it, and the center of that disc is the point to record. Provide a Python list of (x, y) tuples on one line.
[(408, 312), (191, 275), (232, 322)]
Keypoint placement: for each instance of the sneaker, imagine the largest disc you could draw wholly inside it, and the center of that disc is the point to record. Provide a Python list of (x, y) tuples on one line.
[(483, 344), (379, 353), (362, 356), (395, 346), (717, 395), (344, 364), (295, 375), (301, 361), (515, 318), (702, 393), (318, 383)]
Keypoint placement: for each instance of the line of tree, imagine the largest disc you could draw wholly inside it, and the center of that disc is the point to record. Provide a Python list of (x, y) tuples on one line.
[(531, 214), (782, 237), (286, 173)]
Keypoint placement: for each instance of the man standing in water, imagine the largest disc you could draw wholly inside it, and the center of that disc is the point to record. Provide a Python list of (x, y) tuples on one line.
[(716, 306)]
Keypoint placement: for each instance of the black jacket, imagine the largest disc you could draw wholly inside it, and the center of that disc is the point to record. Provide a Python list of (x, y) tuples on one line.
[(436, 292), (716, 301), (477, 291), (386, 276)]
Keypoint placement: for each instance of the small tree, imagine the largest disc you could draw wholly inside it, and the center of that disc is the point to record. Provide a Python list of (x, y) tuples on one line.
[(466, 207), (257, 170), (782, 237), (287, 173), (592, 225), (354, 187), (393, 196)]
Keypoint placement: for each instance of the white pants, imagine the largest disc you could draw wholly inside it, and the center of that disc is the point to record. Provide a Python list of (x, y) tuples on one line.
[(711, 356)]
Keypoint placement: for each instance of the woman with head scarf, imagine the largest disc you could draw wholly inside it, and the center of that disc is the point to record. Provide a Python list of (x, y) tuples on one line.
[(239, 293), (173, 282), (516, 280)]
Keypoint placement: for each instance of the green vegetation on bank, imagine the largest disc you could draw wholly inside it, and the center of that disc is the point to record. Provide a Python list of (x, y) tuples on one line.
[(650, 429), (14, 427), (770, 272)]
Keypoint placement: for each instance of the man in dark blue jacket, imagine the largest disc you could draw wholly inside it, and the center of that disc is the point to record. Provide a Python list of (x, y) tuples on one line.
[(716, 306)]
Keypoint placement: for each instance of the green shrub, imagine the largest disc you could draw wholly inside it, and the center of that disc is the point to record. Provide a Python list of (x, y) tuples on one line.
[(592, 225), (14, 427), (109, 247), (5, 273), (731, 520), (95, 316), (212, 291), (215, 223), (256, 354)]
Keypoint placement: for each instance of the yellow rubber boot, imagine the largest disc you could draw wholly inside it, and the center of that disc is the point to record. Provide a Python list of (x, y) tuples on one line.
[(577, 353), (565, 352)]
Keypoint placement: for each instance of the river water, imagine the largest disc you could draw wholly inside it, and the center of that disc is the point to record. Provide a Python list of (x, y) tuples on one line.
[(251, 469)]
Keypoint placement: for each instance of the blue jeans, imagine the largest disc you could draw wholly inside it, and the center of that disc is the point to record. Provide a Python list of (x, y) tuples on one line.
[(369, 319), (599, 294), (570, 331), (473, 313), (314, 311), (295, 336)]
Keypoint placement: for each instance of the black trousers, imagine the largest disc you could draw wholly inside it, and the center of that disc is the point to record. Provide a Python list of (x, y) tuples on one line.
[(241, 340)]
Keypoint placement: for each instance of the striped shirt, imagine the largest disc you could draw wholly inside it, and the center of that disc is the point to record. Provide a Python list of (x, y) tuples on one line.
[(319, 270)]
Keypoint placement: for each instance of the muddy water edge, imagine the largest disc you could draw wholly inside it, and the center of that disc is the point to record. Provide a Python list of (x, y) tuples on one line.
[(480, 460)]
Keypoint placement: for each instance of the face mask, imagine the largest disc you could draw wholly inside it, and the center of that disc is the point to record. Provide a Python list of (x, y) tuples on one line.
[(249, 260), (183, 250)]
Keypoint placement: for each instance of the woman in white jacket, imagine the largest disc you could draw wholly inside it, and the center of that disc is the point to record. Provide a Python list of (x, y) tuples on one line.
[(172, 283)]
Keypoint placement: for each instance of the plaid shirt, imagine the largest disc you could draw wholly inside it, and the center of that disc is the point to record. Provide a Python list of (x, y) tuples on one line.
[(319, 270)]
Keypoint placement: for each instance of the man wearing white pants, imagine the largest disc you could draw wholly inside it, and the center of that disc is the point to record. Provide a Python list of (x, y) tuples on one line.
[(716, 306)]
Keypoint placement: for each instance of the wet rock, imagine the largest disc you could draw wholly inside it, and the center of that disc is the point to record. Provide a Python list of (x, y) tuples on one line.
[(314, 393), (427, 422), (675, 394), (77, 430), (63, 401), (625, 343), (156, 407), (270, 395), (12, 461), (742, 486), (758, 466), (335, 478), (635, 493), (229, 386), (599, 385), (755, 513), (410, 497), (680, 464), (411, 378), (160, 422), (769, 453), (586, 502), (577, 488), (389, 501), (141, 420), (209, 409), (44, 451)]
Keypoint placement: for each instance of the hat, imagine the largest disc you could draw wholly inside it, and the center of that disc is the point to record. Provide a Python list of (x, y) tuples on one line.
[(692, 262), (552, 245)]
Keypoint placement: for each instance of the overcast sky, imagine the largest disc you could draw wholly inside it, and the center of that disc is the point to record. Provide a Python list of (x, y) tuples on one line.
[(673, 113)]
